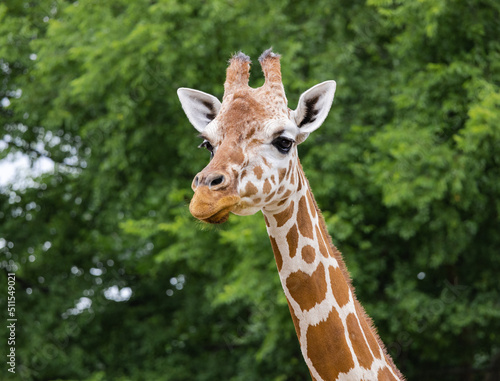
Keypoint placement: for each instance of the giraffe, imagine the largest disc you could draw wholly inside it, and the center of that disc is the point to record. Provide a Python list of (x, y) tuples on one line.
[(252, 137)]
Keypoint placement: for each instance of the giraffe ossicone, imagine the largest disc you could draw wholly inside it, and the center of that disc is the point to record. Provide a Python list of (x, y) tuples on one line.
[(252, 137)]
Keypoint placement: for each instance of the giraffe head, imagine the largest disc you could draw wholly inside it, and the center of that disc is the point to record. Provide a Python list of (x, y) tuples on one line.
[(252, 137)]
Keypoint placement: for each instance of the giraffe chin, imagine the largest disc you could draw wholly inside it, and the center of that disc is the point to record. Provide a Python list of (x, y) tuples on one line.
[(204, 208)]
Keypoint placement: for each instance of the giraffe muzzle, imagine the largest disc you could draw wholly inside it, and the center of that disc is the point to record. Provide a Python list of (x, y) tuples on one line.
[(210, 207), (213, 198)]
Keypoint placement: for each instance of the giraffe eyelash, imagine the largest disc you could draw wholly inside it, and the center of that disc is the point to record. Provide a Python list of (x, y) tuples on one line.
[(206, 144)]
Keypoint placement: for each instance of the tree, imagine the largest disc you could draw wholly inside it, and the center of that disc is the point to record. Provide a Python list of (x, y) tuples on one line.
[(115, 280)]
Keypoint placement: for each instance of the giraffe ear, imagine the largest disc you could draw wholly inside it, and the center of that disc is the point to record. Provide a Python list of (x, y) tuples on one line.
[(312, 110), (200, 108)]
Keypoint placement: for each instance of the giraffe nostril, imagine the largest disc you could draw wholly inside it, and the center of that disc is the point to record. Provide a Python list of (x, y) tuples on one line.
[(219, 179), (196, 181)]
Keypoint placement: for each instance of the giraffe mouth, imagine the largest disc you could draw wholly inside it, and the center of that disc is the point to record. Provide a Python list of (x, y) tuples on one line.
[(204, 207)]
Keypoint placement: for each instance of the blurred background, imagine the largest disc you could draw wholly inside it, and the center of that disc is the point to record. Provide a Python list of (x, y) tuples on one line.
[(116, 281)]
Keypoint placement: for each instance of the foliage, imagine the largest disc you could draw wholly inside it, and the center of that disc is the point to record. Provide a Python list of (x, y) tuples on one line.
[(405, 169)]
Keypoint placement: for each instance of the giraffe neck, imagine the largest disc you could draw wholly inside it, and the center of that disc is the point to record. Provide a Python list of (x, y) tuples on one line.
[(336, 337)]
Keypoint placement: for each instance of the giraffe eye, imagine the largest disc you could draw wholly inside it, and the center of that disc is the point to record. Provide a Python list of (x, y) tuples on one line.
[(206, 144), (283, 144)]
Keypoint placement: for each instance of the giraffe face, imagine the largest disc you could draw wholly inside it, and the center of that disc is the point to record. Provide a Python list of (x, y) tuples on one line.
[(252, 138), (253, 160), (253, 156)]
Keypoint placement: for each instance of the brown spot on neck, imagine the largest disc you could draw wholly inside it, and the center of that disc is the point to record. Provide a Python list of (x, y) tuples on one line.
[(308, 254), (304, 219), (327, 347), (307, 290), (282, 217), (339, 286), (358, 342), (292, 238)]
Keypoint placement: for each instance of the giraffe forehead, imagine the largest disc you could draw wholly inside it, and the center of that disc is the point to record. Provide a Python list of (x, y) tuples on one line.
[(248, 116), (242, 109)]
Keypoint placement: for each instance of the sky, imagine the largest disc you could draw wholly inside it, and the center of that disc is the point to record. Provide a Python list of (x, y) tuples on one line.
[(15, 168)]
